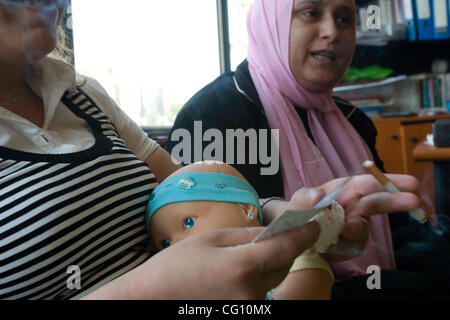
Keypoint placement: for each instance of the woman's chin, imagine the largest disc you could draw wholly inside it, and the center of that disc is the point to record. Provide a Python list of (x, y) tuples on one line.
[(38, 55), (319, 79), (40, 46), (319, 84)]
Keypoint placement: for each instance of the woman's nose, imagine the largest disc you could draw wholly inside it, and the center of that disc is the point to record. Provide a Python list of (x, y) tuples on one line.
[(328, 28)]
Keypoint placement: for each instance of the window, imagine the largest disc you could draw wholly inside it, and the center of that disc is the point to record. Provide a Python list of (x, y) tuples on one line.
[(150, 56), (237, 16)]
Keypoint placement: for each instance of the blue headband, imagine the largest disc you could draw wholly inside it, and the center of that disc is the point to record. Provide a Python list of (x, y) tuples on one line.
[(201, 186)]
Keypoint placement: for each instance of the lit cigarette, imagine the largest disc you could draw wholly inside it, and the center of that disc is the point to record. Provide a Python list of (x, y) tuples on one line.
[(417, 214)]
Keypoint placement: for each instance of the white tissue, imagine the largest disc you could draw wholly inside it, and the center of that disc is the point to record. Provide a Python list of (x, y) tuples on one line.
[(430, 140), (331, 223)]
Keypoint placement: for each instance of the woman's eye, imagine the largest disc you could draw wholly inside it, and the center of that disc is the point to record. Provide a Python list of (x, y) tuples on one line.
[(345, 20), (310, 13), (189, 223), (165, 244)]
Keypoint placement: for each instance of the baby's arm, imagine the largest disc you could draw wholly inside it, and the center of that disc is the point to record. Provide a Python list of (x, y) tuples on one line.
[(310, 278)]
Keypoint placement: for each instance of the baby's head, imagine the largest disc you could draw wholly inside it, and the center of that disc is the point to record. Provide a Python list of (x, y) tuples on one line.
[(199, 197)]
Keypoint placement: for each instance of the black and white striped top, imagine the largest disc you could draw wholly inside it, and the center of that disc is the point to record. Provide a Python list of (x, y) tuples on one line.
[(83, 209)]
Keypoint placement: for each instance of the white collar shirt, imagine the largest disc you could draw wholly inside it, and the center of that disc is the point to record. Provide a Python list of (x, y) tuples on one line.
[(62, 131)]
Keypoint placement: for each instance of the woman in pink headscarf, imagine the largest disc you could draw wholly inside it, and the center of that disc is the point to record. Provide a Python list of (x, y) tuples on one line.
[(299, 50), (298, 64)]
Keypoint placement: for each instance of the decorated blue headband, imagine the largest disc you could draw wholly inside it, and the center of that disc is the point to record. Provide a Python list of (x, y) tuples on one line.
[(201, 186)]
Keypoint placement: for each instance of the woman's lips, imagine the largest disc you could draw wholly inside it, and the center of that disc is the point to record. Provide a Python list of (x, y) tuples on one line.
[(324, 56)]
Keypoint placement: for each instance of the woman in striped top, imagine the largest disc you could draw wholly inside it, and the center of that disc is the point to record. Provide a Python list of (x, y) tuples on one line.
[(76, 175)]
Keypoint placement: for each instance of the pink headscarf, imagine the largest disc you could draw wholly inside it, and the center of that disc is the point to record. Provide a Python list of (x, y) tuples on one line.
[(338, 149)]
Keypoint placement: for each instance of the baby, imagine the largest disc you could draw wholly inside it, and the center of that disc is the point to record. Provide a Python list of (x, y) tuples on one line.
[(211, 195)]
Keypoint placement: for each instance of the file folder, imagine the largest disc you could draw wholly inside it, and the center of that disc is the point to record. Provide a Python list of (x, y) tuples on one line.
[(440, 15), (408, 14), (423, 19)]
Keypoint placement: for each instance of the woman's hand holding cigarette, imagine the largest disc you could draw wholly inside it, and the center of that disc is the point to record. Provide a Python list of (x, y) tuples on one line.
[(417, 214), (363, 197)]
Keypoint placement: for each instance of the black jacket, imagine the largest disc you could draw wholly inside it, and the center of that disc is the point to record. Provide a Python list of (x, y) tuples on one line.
[(231, 102)]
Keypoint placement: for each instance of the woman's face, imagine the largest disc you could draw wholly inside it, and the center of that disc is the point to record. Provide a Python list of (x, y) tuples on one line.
[(27, 32), (322, 42)]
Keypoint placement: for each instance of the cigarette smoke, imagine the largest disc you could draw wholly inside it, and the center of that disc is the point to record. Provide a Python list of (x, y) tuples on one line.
[(43, 12)]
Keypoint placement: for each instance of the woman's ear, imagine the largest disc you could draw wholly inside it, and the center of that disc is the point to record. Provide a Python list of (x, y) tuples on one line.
[(251, 212)]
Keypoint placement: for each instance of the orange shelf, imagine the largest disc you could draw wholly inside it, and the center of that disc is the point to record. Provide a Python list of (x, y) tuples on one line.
[(424, 152)]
